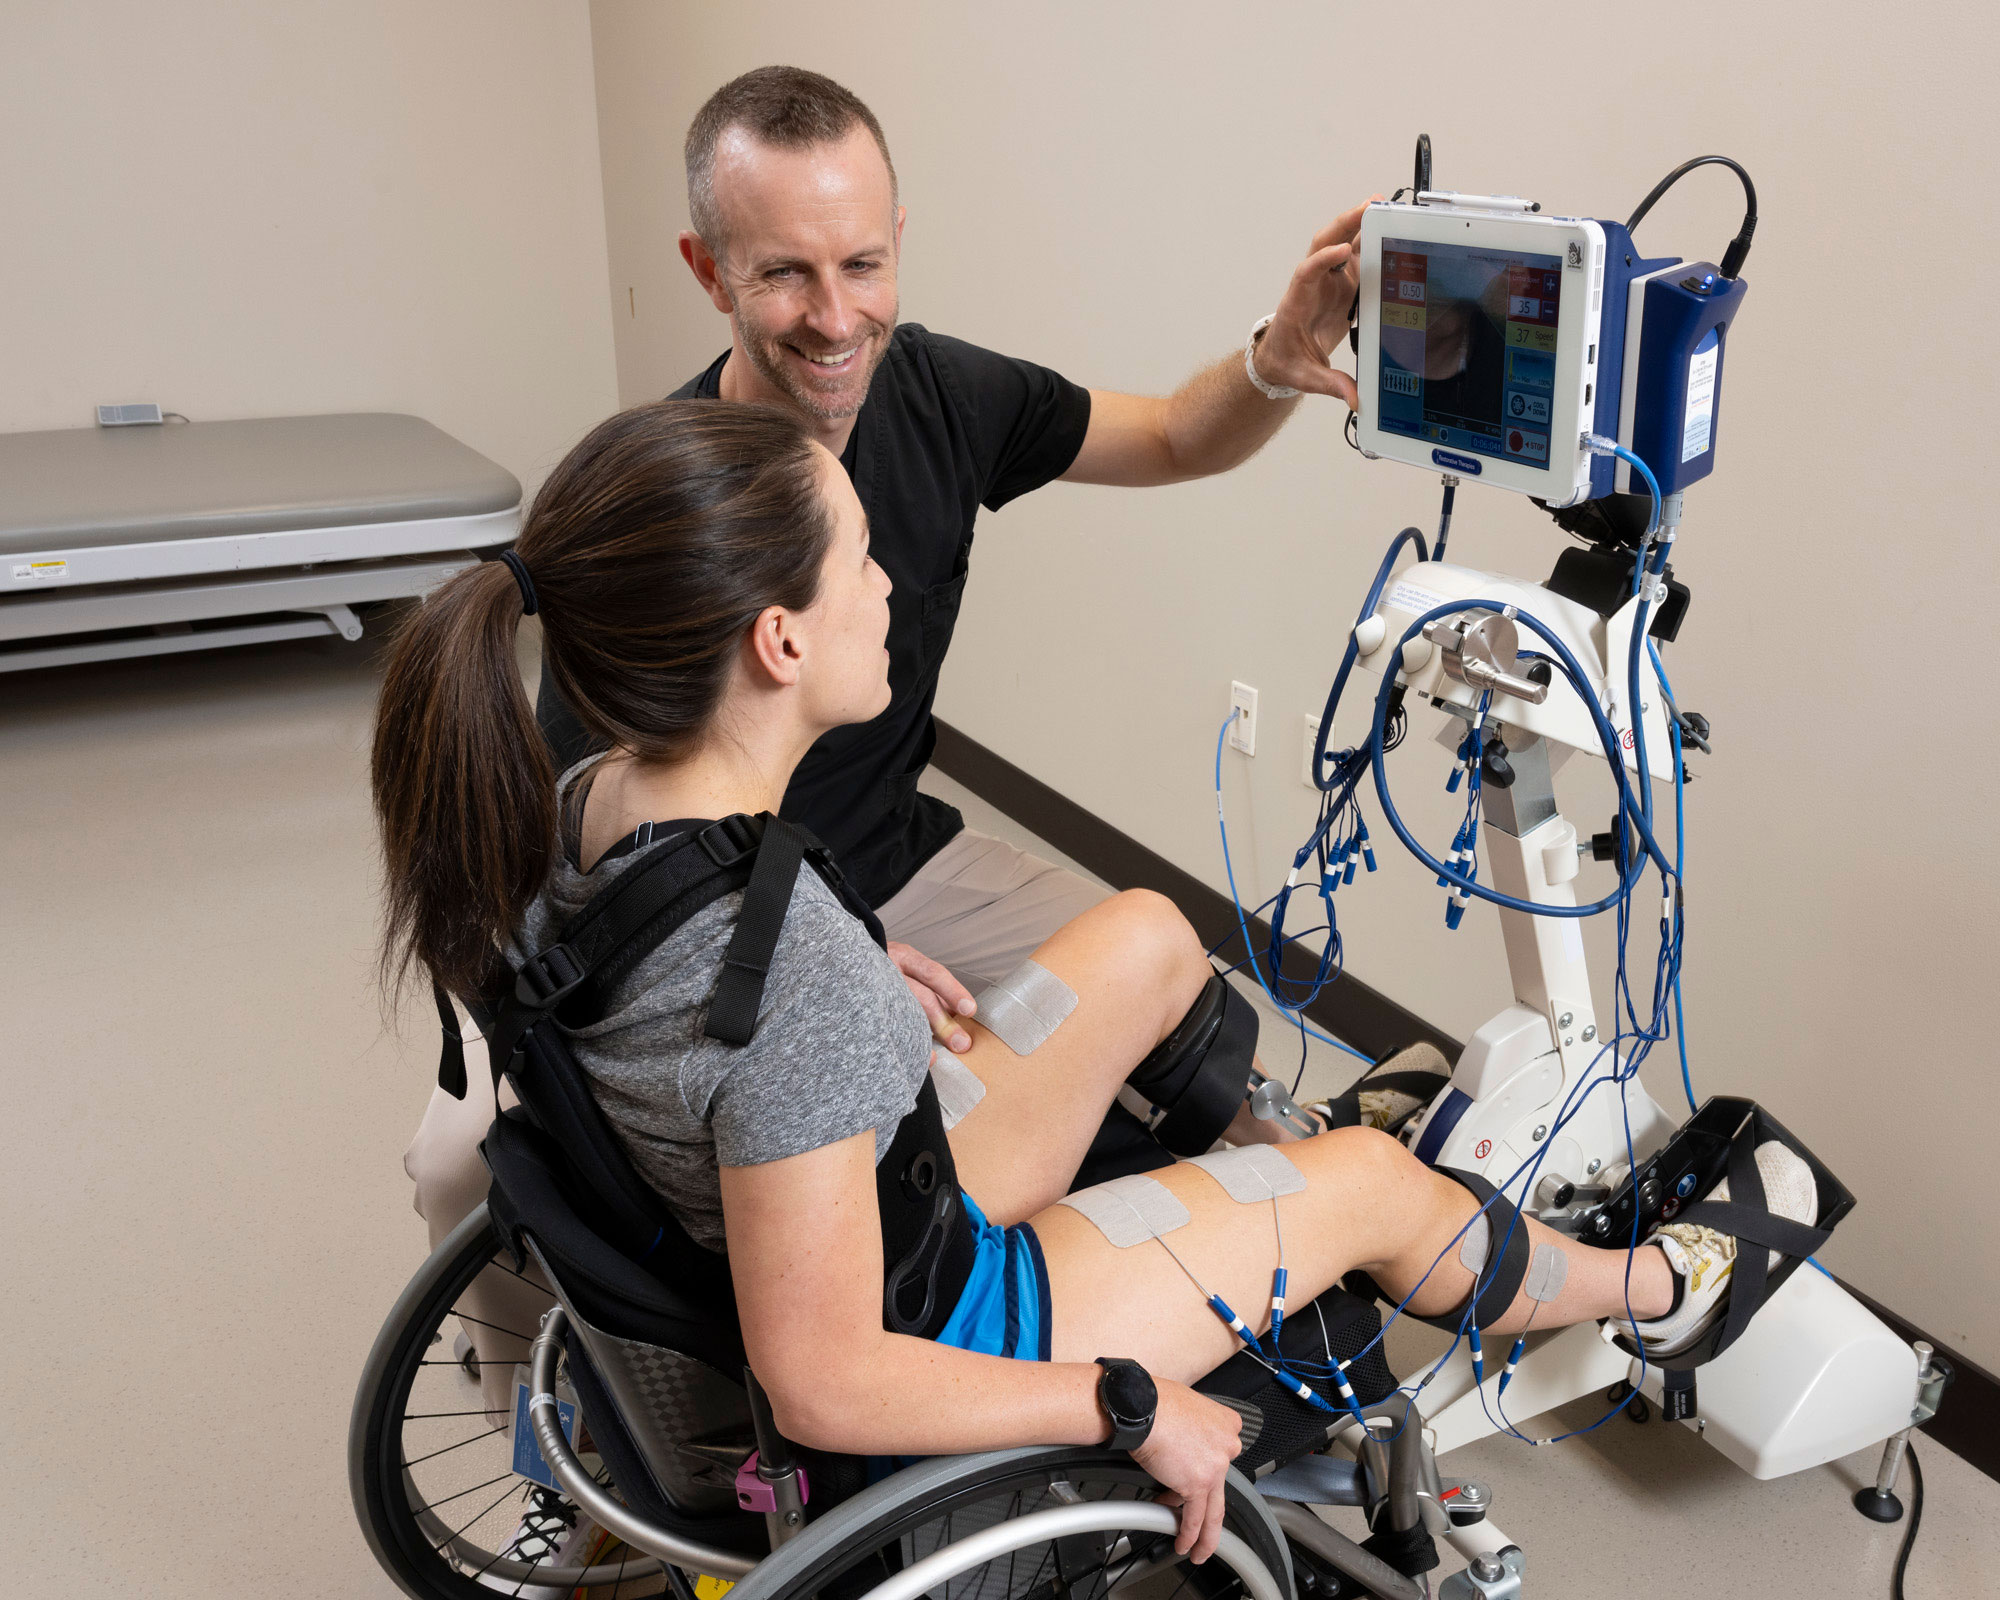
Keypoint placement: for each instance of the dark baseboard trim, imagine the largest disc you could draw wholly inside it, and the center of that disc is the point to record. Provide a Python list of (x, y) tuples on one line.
[(1968, 1421), (1347, 1008)]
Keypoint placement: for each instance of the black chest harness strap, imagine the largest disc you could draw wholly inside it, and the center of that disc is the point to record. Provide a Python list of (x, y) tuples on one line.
[(927, 1241)]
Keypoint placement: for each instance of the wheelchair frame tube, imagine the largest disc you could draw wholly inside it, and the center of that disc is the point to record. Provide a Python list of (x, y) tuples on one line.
[(1342, 1553), (587, 1493), (1096, 1516)]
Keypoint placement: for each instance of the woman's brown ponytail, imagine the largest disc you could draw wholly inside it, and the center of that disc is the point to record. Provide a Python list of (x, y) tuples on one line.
[(651, 549), (463, 785)]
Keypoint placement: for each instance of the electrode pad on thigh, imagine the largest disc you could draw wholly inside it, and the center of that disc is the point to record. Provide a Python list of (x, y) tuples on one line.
[(1025, 1007), (959, 1088), (1129, 1210), (1252, 1173)]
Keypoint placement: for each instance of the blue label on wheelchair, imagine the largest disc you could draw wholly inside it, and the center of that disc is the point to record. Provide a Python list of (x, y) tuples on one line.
[(528, 1462)]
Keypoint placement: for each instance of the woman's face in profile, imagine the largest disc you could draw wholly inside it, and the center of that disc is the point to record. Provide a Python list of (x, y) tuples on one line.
[(849, 668)]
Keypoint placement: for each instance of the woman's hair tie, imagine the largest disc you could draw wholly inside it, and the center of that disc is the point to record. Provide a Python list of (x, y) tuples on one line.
[(515, 565)]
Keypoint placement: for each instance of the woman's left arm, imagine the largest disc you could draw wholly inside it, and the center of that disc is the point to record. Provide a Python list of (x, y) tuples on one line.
[(805, 1251)]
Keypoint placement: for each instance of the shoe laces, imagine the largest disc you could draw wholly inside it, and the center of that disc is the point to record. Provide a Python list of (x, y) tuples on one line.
[(1698, 1240), (544, 1521)]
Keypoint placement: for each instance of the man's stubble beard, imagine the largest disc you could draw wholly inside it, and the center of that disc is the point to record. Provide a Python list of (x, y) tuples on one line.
[(767, 359)]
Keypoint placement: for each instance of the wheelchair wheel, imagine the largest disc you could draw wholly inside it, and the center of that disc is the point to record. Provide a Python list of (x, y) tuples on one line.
[(948, 1501), (430, 1468)]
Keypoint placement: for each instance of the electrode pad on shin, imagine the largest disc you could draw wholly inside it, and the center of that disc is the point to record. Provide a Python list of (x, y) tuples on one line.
[(1129, 1210), (1496, 1282), (1025, 1007), (1252, 1173)]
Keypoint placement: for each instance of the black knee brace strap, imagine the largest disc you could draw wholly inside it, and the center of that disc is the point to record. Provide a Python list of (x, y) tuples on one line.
[(1502, 1279), (1199, 1074)]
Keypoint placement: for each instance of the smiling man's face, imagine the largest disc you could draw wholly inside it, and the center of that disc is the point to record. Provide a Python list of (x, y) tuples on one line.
[(808, 264)]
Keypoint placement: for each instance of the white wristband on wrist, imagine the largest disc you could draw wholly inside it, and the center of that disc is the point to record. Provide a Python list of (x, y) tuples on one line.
[(1270, 391)]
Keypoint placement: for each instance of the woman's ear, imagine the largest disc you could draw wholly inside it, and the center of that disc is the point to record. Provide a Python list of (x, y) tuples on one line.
[(776, 647)]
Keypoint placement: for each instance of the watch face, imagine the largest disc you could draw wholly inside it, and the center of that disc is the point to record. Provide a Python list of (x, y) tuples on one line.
[(1129, 1394)]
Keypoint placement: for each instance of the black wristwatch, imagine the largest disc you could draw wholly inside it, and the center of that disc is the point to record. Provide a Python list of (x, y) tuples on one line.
[(1126, 1393)]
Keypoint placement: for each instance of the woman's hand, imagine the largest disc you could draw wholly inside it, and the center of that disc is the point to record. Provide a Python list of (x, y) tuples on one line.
[(942, 996), (1189, 1451)]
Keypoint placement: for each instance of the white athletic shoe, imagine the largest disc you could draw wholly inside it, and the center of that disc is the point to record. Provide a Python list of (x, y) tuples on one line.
[(1704, 1261), (550, 1529)]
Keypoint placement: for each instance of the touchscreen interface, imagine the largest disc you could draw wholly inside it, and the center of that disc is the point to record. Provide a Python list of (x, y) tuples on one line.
[(1469, 347)]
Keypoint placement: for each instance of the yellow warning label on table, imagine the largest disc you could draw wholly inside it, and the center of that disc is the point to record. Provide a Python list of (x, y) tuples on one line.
[(707, 1588)]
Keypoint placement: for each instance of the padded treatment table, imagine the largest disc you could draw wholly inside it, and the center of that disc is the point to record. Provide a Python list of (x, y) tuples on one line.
[(135, 541)]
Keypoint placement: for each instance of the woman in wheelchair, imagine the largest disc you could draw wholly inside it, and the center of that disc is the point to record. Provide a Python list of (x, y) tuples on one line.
[(710, 609)]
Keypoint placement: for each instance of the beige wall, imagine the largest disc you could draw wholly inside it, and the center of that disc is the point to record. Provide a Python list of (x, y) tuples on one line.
[(259, 210), (1120, 190)]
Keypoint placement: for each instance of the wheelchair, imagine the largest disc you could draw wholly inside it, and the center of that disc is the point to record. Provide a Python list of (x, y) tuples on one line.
[(669, 1417), (633, 1398)]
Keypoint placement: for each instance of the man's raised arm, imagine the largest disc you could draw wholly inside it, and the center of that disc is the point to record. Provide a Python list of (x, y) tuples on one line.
[(1218, 419)]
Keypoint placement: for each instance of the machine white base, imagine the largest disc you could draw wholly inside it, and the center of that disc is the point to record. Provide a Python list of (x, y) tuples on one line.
[(1815, 1377)]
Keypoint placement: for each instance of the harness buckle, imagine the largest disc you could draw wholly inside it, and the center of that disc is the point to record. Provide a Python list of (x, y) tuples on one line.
[(730, 840), (544, 978)]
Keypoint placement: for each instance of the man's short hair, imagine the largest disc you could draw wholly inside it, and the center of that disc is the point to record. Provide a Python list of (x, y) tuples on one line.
[(788, 107)]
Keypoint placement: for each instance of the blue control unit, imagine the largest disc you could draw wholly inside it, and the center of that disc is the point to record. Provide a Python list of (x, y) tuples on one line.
[(1685, 322), (1662, 335)]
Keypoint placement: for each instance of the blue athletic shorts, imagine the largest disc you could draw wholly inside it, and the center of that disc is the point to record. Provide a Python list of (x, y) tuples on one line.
[(1004, 1310)]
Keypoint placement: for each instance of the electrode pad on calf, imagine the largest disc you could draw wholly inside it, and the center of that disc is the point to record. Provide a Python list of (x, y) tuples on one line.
[(1546, 1274), (1200, 1073), (1497, 1283), (1129, 1210), (1252, 1173), (1025, 1007)]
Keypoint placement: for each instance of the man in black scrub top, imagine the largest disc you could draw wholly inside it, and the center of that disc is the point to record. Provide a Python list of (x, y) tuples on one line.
[(796, 238)]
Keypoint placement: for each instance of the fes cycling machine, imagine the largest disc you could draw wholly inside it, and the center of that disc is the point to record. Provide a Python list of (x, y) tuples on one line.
[(1546, 355)]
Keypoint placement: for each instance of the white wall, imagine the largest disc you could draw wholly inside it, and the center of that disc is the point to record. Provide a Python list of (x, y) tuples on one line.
[(1119, 191), (243, 209)]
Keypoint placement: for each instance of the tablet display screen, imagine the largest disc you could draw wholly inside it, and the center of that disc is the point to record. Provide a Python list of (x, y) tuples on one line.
[(1469, 347)]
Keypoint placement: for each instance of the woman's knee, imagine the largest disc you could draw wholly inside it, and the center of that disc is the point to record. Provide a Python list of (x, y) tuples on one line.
[(1362, 1158), (1153, 936)]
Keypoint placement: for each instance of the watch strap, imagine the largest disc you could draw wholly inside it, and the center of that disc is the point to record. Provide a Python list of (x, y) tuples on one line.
[(1270, 391)]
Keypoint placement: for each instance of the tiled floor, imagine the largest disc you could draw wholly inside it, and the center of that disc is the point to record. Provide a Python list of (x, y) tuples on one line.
[(206, 1216)]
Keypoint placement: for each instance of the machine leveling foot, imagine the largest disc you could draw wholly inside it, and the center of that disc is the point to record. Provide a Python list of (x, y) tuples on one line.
[(1878, 1505)]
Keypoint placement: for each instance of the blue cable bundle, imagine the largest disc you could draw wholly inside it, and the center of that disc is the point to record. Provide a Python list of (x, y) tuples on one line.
[(1341, 835)]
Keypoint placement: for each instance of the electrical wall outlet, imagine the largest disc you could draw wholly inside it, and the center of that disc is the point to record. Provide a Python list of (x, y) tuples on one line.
[(1243, 731), (1306, 760)]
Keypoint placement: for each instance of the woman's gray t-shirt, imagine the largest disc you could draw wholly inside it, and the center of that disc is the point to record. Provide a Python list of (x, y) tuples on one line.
[(841, 1044)]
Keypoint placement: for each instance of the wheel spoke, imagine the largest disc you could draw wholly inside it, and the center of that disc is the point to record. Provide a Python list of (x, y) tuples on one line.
[(497, 1264), (465, 1316), (453, 1535), (488, 1564), (432, 1505), (447, 1450)]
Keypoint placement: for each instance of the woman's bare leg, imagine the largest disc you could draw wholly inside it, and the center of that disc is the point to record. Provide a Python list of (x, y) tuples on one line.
[(1368, 1203), (1136, 967)]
